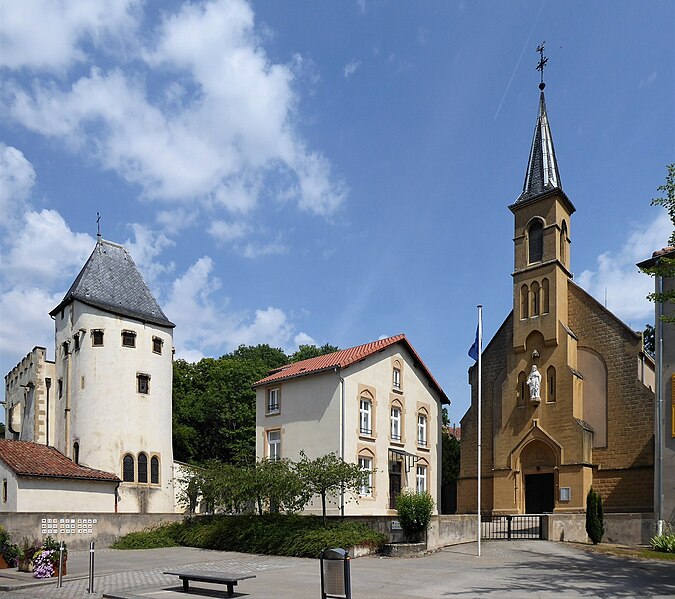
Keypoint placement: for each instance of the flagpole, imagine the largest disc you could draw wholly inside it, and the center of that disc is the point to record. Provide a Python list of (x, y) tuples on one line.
[(478, 406)]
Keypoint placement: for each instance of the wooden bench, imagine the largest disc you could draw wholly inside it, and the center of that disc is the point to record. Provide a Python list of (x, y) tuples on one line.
[(228, 578)]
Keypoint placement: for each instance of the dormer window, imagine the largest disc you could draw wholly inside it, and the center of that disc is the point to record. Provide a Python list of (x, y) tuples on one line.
[(128, 339)]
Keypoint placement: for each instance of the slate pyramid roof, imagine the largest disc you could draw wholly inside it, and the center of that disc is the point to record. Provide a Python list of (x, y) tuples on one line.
[(542, 175), (110, 281)]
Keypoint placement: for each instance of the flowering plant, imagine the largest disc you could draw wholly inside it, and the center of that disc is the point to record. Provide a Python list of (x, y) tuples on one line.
[(44, 567)]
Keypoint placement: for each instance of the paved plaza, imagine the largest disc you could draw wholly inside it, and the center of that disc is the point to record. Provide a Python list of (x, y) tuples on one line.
[(506, 569)]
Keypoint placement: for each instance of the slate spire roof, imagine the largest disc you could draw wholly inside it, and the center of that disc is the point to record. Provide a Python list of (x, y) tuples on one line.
[(110, 281), (542, 173)]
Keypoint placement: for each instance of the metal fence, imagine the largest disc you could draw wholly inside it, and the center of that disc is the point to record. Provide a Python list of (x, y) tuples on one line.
[(527, 526)]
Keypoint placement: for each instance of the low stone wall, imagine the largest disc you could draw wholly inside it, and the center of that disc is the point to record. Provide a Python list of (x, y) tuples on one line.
[(79, 529), (624, 529)]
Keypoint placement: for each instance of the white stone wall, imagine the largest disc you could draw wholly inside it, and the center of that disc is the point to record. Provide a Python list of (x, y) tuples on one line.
[(100, 407)]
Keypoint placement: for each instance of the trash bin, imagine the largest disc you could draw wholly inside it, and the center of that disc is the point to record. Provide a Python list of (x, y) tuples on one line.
[(335, 574)]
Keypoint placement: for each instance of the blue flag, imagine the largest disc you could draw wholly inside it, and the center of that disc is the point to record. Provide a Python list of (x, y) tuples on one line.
[(473, 350)]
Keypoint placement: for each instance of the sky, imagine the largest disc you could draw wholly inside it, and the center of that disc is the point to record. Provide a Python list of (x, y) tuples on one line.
[(325, 172)]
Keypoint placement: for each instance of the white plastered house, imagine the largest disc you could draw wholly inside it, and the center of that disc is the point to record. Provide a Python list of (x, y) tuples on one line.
[(376, 404)]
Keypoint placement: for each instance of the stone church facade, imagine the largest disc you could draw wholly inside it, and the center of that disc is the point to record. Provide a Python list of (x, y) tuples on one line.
[(589, 421)]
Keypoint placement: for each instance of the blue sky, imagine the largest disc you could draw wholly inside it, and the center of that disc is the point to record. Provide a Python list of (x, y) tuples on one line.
[(327, 172)]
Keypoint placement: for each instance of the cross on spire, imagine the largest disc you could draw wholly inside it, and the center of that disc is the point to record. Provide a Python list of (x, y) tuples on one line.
[(98, 225), (542, 63)]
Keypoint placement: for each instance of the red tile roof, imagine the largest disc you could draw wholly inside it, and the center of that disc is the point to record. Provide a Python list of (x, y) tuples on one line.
[(30, 459), (345, 358)]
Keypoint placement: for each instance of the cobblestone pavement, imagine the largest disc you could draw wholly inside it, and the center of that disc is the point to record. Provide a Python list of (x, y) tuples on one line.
[(77, 588)]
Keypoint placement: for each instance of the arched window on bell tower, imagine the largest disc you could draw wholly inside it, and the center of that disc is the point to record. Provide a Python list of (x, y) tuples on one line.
[(535, 293), (535, 237), (524, 302), (545, 301)]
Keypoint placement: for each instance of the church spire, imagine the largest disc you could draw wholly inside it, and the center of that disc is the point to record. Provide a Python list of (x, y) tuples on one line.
[(542, 173)]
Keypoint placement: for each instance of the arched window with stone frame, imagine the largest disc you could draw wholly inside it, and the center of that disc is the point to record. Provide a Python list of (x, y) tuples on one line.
[(535, 242), (563, 243), (550, 384), (142, 468), (523, 391), (524, 302), (154, 470), (535, 294), (545, 298), (128, 468)]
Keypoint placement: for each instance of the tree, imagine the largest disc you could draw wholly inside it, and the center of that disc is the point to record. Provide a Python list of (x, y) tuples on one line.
[(327, 476), (595, 524), (665, 267), (275, 485), (451, 456), (312, 351), (649, 338)]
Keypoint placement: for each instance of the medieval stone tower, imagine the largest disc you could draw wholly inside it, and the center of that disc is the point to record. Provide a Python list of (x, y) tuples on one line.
[(111, 393)]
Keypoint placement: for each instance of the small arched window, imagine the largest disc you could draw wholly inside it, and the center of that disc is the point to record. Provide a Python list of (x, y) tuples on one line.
[(550, 384), (536, 298), (154, 470), (524, 302), (535, 235), (142, 468), (128, 474), (76, 452), (563, 243), (545, 301)]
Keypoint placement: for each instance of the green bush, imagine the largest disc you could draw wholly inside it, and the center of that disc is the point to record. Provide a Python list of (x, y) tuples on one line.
[(271, 534), (595, 524), (414, 513), (664, 542)]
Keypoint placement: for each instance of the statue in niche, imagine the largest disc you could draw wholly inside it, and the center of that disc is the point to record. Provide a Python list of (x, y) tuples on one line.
[(534, 383)]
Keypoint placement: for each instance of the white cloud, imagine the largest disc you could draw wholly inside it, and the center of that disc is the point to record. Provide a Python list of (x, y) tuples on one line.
[(303, 339), (254, 250), (204, 326), (17, 178), (212, 139), (44, 250), (351, 68), (617, 274), (47, 34), (225, 231), (145, 249)]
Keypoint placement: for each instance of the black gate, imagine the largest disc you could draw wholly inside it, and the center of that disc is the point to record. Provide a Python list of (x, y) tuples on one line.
[(528, 526)]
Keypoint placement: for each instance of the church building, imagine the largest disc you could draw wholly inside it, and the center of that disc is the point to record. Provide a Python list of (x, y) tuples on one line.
[(103, 404), (567, 390)]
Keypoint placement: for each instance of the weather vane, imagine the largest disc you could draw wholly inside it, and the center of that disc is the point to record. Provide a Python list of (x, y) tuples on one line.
[(542, 63), (98, 225)]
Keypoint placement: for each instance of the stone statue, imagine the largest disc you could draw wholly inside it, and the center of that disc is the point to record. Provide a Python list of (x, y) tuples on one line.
[(534, 383)]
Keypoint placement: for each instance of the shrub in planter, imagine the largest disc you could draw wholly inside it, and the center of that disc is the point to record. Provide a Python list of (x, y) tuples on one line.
[(46, 560), (414, 513), (595, 524), (9, 552), (27, 551)]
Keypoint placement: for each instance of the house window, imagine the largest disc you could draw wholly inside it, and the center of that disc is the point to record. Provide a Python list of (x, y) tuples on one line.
[(395, 423), (154, 470), (274, 445), (4, 490), (421, 479), (157, 345), (273, 401), (366, 465), (128, 470), (535, 242), (422, 430), (97, 338), (142, 468), (64, 347), (397, 378), (365, 416), (60, 385), (143, 383), (76, 452), (76, 342), (128, 339)]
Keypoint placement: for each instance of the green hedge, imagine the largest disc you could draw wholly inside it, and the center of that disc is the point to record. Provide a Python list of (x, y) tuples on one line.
[(271, 534)]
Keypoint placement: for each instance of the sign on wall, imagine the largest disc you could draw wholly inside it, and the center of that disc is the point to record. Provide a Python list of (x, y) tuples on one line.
[(68, 526)]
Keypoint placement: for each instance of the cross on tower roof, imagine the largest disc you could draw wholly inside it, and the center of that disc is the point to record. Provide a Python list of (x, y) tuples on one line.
[(542, 63)]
